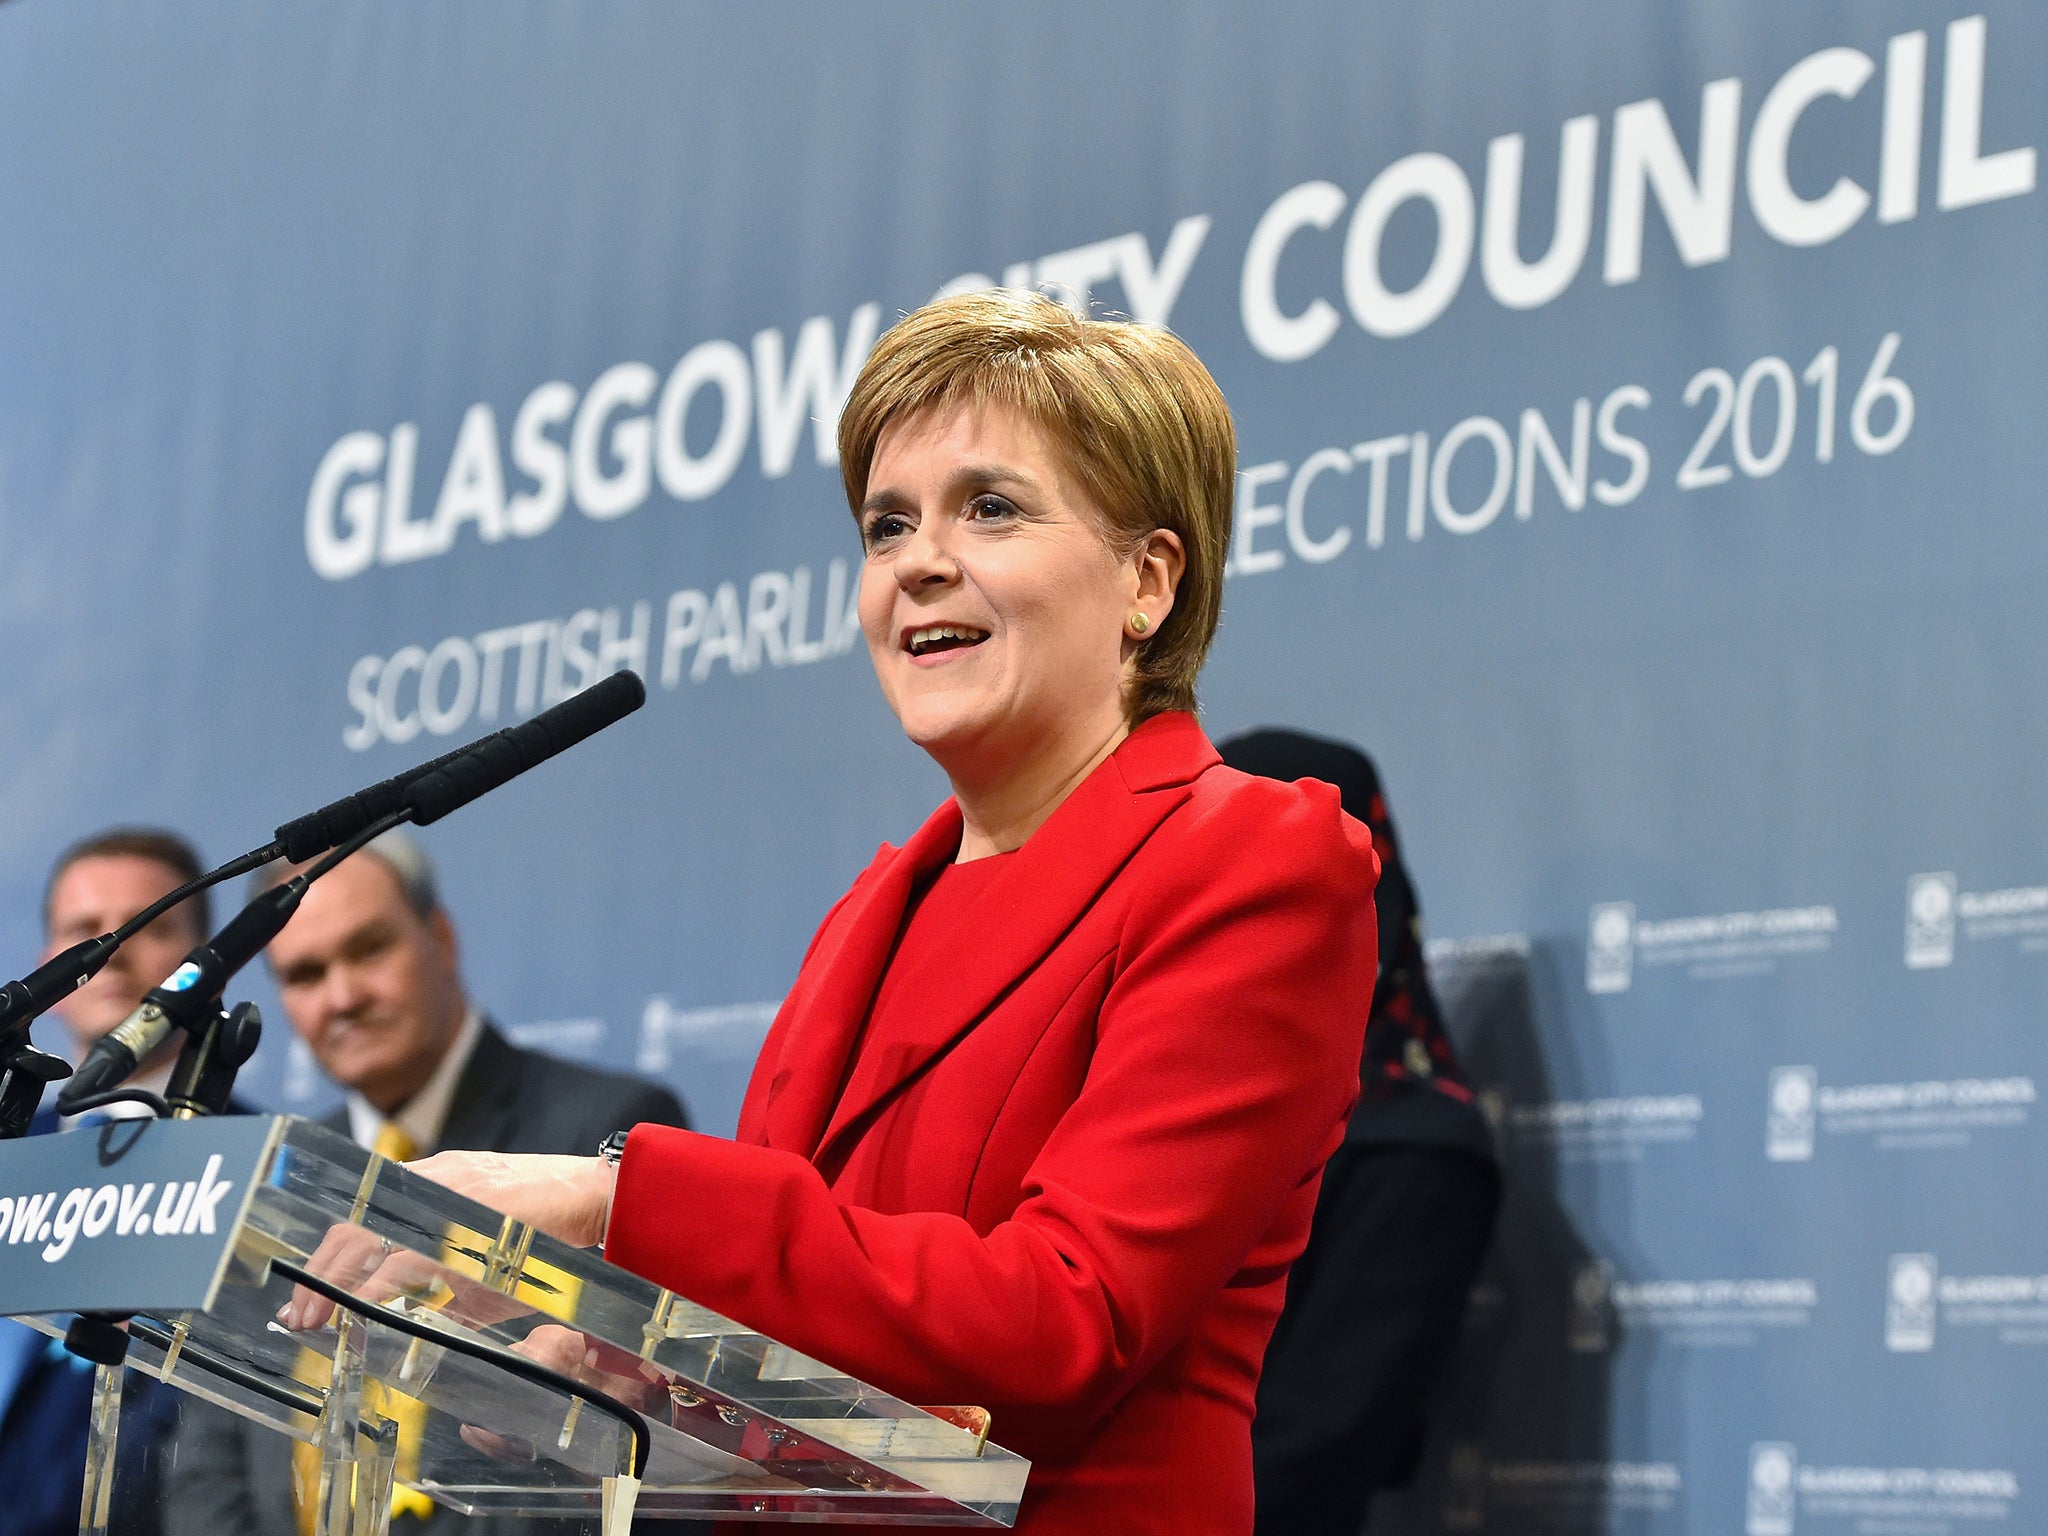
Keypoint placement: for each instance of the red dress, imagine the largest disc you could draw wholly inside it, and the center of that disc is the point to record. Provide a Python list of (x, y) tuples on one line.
[(1068, 1186)]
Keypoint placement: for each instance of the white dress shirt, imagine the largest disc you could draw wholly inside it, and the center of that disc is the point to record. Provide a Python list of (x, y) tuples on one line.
[(426, 1112)]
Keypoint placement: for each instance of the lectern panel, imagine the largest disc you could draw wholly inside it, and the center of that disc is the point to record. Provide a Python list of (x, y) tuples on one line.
[(739, 1426)]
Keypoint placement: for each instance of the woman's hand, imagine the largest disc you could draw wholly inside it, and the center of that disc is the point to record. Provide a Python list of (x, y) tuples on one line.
[(359, 1261), (638, 1383), (565, 1197), (587, 1360)]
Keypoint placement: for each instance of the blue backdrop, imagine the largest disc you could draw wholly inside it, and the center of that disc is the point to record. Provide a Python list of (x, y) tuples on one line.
[(1641, 448)]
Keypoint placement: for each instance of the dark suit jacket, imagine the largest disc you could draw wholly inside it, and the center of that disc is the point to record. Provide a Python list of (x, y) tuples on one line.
[(233, 1478), (1068, 1186)]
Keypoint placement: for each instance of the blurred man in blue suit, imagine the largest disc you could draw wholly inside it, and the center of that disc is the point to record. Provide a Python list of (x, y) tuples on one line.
[(45, 1392)]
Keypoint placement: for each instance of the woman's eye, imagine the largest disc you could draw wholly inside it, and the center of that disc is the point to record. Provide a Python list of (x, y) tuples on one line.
[(987, 508), (883, 527)]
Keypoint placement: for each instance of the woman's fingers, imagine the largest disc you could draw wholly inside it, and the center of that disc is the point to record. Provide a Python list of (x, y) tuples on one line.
[(584, 1360), (595, 1363), (346, 1256), (501, 1447), (361, 1262), (556, 1347), (564, 1197)]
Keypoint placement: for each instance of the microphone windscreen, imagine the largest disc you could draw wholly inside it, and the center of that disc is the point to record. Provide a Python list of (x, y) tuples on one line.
[(316, 832), (585, 714), (512, 751)]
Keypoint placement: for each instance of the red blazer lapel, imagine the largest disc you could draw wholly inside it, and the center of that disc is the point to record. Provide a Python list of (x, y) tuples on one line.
[(1047, 884), (822, 1016)]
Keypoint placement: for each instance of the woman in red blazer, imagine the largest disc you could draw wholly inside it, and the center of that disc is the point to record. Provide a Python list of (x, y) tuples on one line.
[(1040, 1124)]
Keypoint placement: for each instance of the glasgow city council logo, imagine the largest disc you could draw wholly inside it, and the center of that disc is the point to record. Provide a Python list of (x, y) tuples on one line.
[(1909, 1303), (1788, 1128), (1931, 920), (1610, 946), (1773, 1467)]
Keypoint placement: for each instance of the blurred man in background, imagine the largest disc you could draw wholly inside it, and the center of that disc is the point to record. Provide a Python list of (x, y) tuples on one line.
[(369, 972), (96, 885)]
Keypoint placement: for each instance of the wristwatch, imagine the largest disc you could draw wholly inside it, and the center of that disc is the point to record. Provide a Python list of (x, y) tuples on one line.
[(613, 1147)]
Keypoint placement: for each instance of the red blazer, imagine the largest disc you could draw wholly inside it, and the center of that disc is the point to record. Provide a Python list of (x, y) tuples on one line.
[(1069, 1195)]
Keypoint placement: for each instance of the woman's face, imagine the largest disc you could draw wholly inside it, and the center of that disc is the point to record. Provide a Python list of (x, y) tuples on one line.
[(993, 605)]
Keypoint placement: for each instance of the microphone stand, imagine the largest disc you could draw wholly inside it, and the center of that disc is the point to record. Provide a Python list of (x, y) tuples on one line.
[(24, 1073), (201, 1084), (204, 1079), (217, 1045)]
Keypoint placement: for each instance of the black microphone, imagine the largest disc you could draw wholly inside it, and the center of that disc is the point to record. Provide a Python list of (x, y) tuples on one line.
[(23, 1002), (430, 792), (181, 999), (312, 834), (305, 837), (512, 751), (54, 980), (298, 840)]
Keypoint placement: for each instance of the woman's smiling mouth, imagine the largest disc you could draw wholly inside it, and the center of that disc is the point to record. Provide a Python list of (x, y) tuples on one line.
[(931, 640)]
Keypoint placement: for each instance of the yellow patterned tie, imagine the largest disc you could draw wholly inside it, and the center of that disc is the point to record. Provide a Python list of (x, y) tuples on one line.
[(393, 1144)]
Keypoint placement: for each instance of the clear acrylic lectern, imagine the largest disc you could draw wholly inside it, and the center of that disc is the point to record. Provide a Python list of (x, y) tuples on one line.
[(739, 1427)]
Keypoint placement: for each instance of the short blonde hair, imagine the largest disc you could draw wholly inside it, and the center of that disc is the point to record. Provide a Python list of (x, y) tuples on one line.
[(1139, 419)]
